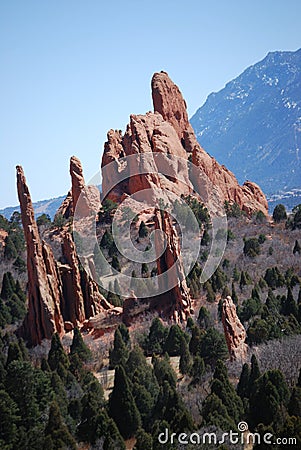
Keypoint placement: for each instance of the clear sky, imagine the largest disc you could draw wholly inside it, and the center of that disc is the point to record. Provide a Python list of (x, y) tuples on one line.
[(70, 70)]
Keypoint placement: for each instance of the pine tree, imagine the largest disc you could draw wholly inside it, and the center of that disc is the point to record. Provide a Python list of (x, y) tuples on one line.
[(297, 247), (222, 387), (210, 292), (60, 393), (9, 421), (204, 318), (213, 347), (14, 353), (279, 213), (57, 431), (144, 441), (122, 407), (78, 346), (290, 306), (10, 251), (185, 359), (119, 353), (156, 338), (197, 370), (143, 231), (234, 295), (57, 353), (174, 341), (254, 373), (116, 263), (124, 331), (164, 372), (7, 289), (244, 382)]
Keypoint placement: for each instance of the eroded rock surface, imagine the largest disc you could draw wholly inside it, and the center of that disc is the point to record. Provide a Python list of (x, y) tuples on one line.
[(235, 332)]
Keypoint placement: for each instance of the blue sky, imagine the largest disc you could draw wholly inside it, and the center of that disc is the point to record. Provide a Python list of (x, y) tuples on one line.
[(71, 70)]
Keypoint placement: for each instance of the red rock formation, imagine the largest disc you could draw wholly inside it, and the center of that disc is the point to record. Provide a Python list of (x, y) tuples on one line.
[(168, 132), (129, 304), (44, 291), (169, 102), (175, 302), (58, 293), (89, 195), (235, 332), (73, 303)]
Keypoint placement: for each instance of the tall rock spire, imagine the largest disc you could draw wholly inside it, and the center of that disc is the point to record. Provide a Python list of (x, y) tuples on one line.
[(44, 291)]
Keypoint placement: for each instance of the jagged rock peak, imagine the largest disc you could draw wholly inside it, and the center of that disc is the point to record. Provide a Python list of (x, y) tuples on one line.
[(235, 333), (169, 102), (44, 290), (77, 178)]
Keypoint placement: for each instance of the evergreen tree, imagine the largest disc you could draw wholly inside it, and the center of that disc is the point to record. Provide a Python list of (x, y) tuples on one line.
[(124, 331), (279, 213), (56, 431), (116, 263), (205, 238), (197, 370), (204, 318), (57, 353), (213, 347), (195, 341), (244, 382), (7, 289), (234, 295), (290, 306), (226, 292), (10, 251), (59, 391), (122, 407), (164, 372), (254, 373), (143, 230), (294, 406), (268, 397), (156, 338), (91, 413), (185, 358), (9, 421), (222, 387), (210, 292), (236, 274), (215, 413), (297, 247), (78, 346), (144, 441), (14, 353), (119, 353), (243, 280), (174, 341), (21, 386)]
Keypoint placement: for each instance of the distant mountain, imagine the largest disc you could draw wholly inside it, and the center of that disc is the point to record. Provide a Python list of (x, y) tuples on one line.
[(253, 125), (49, 206)]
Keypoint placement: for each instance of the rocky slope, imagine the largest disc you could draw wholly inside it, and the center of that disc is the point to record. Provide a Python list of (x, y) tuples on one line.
[(167, 132), (253, 125)]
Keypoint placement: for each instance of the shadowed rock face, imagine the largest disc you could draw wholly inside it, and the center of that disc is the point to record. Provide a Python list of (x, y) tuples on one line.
[(59, 294), (44, 290), (176, 303), (235, 332), (169, 132)]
